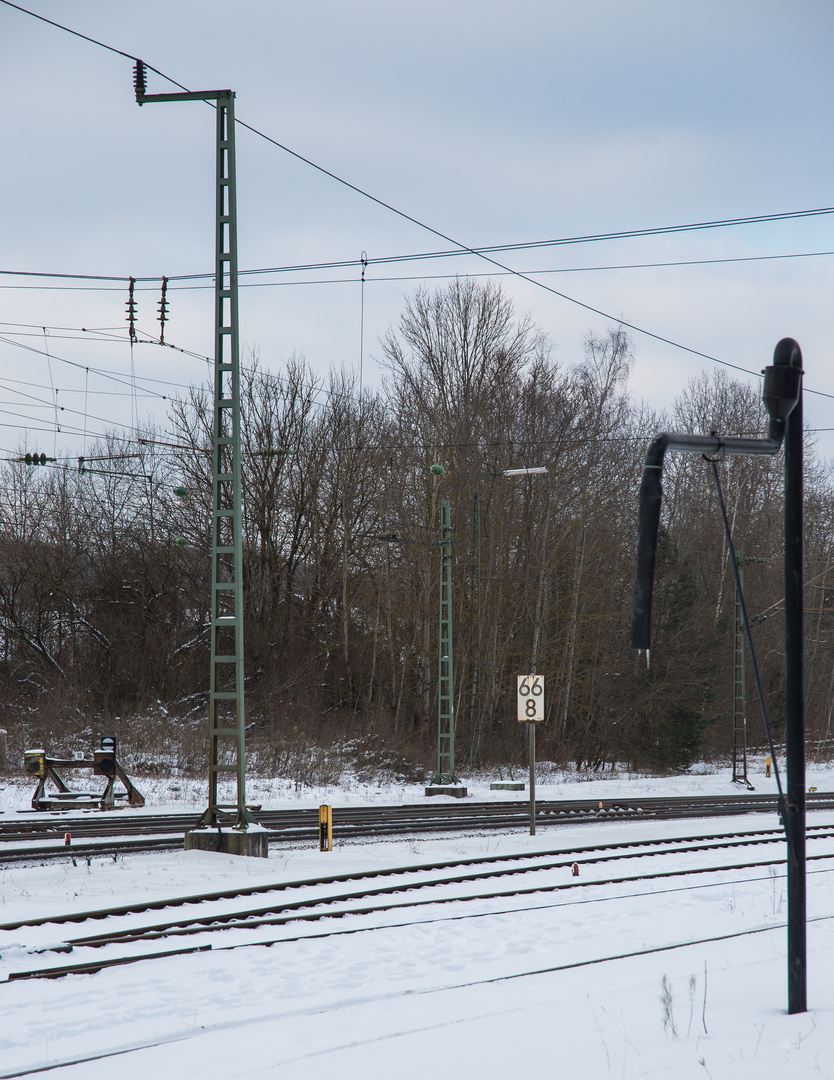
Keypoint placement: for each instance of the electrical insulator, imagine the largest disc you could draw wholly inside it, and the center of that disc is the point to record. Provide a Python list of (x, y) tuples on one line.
[(163, 310), (131, 310), (180, 492), (35, 459), (181, 541), (139, 84)]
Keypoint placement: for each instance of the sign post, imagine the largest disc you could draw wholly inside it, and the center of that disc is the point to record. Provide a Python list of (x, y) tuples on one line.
[(531, 712)]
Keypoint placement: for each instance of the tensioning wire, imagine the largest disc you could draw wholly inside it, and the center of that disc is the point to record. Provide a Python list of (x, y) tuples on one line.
[(437, 232), (346, 264)]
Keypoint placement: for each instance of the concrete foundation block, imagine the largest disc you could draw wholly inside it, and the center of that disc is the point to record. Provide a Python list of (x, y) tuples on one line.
[(455, 790), (506, 785), (253, 841)]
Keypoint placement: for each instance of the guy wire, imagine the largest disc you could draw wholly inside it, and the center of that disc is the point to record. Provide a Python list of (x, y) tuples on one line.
[(783, 814)]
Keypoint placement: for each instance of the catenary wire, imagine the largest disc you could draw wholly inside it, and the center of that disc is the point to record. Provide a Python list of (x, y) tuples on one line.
[(346, 264), (420, 224), (389, 278)]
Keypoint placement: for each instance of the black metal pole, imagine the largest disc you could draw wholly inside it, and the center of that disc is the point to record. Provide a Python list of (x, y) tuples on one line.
[(788, 353), (782, 397)]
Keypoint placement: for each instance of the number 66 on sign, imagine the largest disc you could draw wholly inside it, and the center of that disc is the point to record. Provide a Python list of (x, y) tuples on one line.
[(530, 698)]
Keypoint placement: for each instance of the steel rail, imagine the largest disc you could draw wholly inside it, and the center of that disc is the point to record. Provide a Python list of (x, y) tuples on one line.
[(255, 890), (257, 916), (564, 857), (392, 820), (93, 966)]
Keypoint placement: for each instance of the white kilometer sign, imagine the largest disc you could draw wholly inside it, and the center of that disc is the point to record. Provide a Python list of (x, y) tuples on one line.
[(530, 698)]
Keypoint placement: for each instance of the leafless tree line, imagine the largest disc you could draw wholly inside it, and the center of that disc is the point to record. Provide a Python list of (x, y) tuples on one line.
[(104, 586)]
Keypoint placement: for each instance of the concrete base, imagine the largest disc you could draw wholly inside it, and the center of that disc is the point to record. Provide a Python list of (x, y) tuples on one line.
[(454, 790), (253, 842), (506, 785)]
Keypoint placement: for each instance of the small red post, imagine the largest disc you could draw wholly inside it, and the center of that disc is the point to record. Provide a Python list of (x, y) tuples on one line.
[(67, 839), (575, 869)]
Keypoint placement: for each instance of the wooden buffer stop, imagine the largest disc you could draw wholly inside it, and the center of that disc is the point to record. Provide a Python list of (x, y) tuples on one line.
[(104, 762)]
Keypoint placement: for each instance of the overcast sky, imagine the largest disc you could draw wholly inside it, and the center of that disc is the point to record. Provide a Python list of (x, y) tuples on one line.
[(493, 123)]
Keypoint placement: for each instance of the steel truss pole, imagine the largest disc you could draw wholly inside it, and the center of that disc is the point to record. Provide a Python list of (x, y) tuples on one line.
[(445, 677), (474, 725), (226, 711)]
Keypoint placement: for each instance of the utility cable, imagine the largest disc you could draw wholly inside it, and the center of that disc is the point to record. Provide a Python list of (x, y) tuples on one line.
[(86, 385), (92, 40), (382, 260), (422, 225), (364, 260), (103, 373), (783, 810)]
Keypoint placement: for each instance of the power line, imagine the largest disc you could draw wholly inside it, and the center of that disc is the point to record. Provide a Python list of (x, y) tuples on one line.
[(92, 40), (481, 254), (344, 264), (106, 373)]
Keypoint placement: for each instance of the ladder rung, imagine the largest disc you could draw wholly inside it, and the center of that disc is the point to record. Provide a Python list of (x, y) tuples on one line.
[(224, 513), (225, 659), (225, 585), (226, 732), (224, 695), (222, 768)]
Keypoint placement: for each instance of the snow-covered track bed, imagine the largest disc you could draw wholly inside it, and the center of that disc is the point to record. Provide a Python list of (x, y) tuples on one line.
[(42, 838), (475, 885)]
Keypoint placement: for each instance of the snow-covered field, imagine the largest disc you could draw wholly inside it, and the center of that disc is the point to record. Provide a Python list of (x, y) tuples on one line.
[(512, 991)]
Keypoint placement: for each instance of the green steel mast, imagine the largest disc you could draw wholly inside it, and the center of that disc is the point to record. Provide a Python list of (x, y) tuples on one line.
[(226, 713), (474, 725), (445, 680)]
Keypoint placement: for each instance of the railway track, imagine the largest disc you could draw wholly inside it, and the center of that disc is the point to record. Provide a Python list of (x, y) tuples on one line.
[(241, 918), (43, 838)]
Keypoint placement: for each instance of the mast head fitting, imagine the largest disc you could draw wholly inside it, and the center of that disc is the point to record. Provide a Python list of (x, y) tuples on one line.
[(781, 385)]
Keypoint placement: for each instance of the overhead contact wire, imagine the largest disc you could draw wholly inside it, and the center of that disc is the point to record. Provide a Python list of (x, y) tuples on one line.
[(421, 224)]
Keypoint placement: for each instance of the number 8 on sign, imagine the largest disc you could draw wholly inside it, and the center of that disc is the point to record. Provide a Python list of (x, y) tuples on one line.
[(530, 698)]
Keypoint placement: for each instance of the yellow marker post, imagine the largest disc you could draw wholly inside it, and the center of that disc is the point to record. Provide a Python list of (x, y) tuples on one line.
[(768, 763), (325, 828)]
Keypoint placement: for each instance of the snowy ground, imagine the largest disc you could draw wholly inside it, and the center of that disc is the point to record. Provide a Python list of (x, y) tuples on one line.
[(444, 996), (181, 794)]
